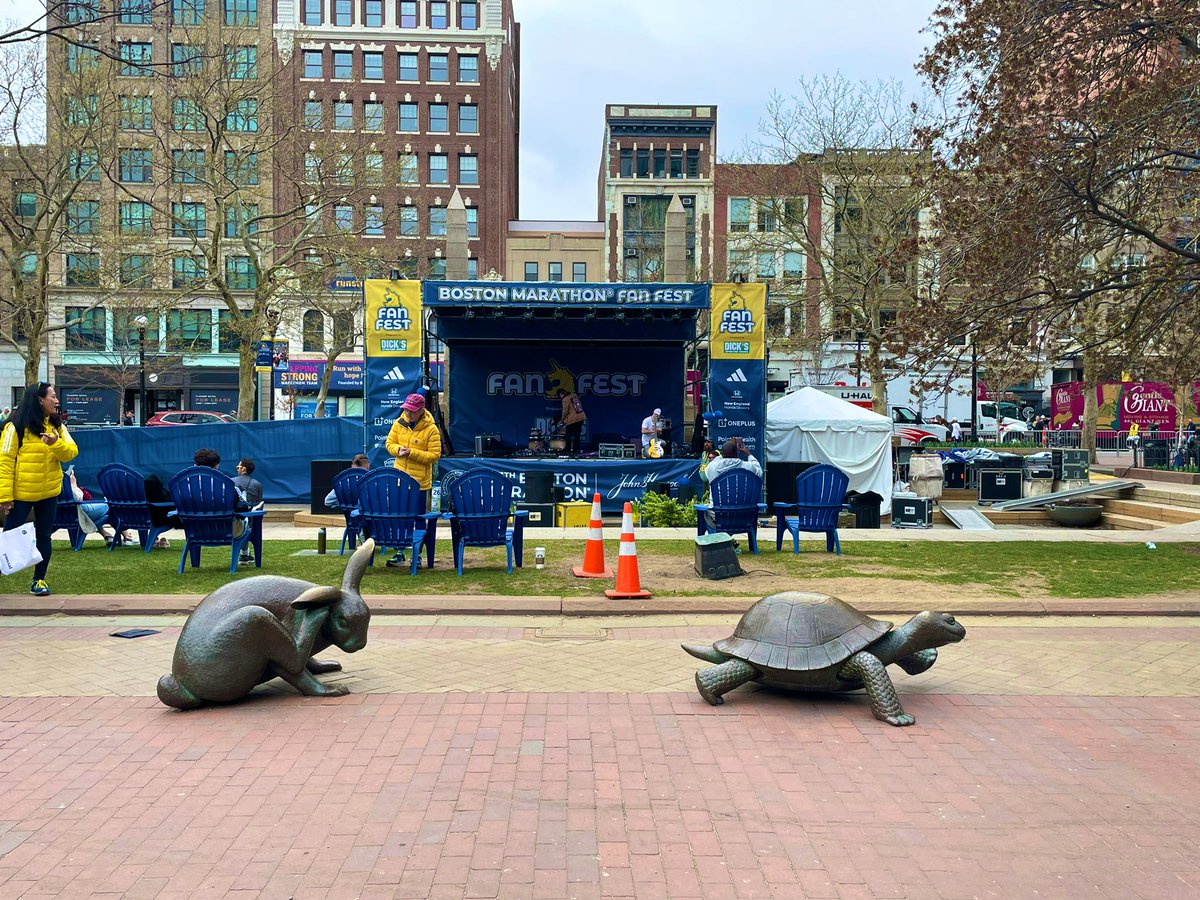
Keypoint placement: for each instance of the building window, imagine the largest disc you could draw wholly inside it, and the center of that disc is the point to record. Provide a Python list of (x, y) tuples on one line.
[(187, 166), (439, 118), (240, 274), (373, 221), (241, 12), (25, 205), (408, 14), (766, 265), (439, 16), (186, 115), (241, 167), (83, 217), (312, 12), (134, 217), (409, 170), (739, 263), (373, 66), (228, 340), (135, 113), (133, 166), (134, 59), (739, 213), (468, 12), (438, 169), (86, 328), (135, 270), (468, 69), (437, 269), (127, 335), (84, 165), (793, 264), (531, 271), (81, 111), (409, 67), (242, 63), (554, 271), (133, 12), (660, 163), (579, 271), (77, 11), (241, 219), (408, 117), (83, 269), (373, 167), (82, 58), (312, 168), (343, 216), (341, 12), (189, 330), (343, 64), (314, 64), (312, 330), (187, 12), (643, 162), (468, 118), (188, 220), (312, 115), (626, 170), (243, 116), (767, 218), (676, 164), (439, 67), (693, 164), (408, 221), (437, 221), (373, 13), (472, 221), (343, 115), (187, 271), (472, 269), (185, 60), (468, 169)]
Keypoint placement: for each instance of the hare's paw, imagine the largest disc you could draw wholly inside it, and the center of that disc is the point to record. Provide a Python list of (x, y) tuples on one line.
[(332, 690)]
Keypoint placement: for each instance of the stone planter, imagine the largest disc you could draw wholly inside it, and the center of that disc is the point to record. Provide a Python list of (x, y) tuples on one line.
[(1075, 515)]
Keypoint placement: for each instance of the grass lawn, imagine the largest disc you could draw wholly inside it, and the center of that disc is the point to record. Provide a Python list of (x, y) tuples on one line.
[(1068, 570)]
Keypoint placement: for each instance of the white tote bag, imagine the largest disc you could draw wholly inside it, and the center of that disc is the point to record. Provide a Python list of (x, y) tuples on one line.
[(18, 549)]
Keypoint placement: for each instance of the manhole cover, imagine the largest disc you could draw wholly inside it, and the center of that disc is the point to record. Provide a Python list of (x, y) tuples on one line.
[(572, 633)]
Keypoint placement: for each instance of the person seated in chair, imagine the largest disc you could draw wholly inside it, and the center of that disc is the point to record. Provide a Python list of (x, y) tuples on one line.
[(734, 455), (359, 462), (250, 490)]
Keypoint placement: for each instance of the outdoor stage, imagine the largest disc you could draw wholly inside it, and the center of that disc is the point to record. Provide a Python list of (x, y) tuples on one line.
[(617, 480)]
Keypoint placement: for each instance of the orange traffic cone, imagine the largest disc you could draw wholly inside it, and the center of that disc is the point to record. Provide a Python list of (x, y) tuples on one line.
[(593, 554), (629, 585)]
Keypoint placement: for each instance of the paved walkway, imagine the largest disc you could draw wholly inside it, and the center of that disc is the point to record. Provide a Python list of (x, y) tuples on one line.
[(543, 757)]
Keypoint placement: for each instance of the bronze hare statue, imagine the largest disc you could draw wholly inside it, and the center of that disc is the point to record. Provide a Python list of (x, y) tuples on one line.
[(247, 632)]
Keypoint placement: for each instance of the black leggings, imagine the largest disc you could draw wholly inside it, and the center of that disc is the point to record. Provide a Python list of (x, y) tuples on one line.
[(44, 512)]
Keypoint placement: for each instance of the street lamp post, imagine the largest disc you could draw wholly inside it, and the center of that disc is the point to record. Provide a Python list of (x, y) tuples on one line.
[(141, 322)]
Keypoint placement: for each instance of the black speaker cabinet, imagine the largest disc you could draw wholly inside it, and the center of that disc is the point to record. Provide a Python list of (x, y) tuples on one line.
[(320, 483), (539, 487), (541, 515), (488, 445), (913, 512), (781, 481), (716, 558)]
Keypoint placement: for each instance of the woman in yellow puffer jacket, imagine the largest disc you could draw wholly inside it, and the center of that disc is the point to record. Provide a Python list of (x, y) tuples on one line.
[(33, 446)]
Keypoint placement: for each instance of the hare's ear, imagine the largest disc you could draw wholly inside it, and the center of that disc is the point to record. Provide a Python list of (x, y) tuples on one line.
[(317, 596), (358, 565)]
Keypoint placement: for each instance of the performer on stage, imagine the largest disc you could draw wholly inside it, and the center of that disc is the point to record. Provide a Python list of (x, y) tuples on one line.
[(573, 418), (417, 444), (652, 427)]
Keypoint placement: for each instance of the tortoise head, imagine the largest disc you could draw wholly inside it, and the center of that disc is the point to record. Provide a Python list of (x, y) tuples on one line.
[(936, 629)]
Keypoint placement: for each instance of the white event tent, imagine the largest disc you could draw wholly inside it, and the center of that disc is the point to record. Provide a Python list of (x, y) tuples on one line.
[(809, 425)]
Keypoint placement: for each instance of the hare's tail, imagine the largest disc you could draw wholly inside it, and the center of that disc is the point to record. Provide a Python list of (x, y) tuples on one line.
[(172, 693)]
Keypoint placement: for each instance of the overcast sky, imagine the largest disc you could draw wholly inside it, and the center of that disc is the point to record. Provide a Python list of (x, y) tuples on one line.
[(577, 55)]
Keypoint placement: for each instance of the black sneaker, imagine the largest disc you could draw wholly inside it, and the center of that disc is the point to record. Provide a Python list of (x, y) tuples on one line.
[(396, 561)]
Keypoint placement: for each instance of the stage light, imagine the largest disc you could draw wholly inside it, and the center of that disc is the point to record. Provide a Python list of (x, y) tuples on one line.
[(528, 314), (589, 315), (620, 316), (469, 314), (497, 313), (559, 314)]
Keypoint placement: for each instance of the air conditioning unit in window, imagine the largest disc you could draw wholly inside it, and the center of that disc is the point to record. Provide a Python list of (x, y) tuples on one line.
[(689, 253), (631, 252), (686, 201), (631, 201)]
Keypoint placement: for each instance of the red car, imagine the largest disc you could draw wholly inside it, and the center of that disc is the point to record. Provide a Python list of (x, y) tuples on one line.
[(190, 417)]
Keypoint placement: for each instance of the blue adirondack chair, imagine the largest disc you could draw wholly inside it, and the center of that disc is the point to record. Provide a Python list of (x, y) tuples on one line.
[(346, 487), (482, 500), (67, 515), (388, 500), (734, 505), (820, 492), (206, 502), (128, 509)]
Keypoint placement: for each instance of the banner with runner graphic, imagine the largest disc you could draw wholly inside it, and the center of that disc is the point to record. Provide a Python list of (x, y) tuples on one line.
[(737, 380), (393, 357)]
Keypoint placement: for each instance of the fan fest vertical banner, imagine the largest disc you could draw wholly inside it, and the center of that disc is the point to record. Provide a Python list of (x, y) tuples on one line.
[(737, 380), (393, 357)]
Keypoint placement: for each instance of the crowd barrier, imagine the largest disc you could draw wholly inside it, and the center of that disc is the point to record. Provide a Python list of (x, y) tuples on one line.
[(281, 450)]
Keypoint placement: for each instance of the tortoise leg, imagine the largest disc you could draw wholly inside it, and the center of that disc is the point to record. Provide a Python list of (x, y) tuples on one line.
[(712, 683), (881, 692), (319, 666), (918, 662)]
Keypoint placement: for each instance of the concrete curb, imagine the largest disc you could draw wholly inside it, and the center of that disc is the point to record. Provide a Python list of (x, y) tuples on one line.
[(501, 605)]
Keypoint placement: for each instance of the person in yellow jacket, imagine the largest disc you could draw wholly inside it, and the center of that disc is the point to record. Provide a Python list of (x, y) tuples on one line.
[(417, 444), (33, 446)]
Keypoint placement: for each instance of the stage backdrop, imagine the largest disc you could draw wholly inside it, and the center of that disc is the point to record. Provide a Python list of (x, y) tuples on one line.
[(393, 357), (737, 381), (509, 388)]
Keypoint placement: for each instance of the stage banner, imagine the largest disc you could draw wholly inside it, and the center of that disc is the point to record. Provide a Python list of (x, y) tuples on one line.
[(737, 376), (560, 295), (510, 389), (393, 357), (617, 480)]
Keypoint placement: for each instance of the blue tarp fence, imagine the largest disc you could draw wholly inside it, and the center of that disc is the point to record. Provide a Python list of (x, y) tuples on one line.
[(281, 450)]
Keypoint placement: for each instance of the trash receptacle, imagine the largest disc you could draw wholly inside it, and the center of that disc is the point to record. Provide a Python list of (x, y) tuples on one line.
[(865, 507), (1155, 453)]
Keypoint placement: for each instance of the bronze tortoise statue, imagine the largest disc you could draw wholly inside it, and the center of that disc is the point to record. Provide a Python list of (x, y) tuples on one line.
[(814, 642)]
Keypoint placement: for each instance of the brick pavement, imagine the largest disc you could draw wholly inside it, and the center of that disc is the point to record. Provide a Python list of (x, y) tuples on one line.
[(436, 780)]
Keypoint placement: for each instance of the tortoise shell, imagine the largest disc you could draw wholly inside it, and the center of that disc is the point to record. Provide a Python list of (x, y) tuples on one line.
[(801, 632)]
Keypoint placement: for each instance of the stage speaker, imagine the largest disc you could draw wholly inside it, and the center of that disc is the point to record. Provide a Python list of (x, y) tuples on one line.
[(488, 445), (716, 557), (539, 487), (659, 487), (320, 483), (781, 481)]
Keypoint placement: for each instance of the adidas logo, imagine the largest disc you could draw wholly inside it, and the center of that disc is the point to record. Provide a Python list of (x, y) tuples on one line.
[(737, 376), (394, 374)]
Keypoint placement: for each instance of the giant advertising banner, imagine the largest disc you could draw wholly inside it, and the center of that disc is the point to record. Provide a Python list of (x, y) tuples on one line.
[(511, 389), (1147, 404), (393, 357), (737, 379)]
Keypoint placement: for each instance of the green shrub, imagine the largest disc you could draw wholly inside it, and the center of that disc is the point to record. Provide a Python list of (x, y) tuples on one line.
[(660, 511)]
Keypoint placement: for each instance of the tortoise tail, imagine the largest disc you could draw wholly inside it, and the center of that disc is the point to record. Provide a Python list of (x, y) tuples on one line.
[(172, 693)]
